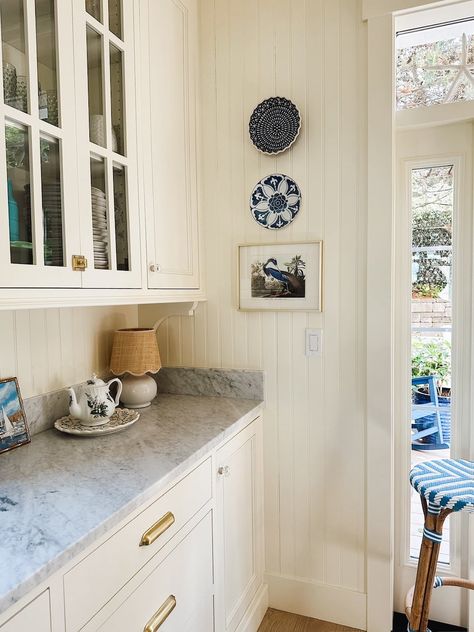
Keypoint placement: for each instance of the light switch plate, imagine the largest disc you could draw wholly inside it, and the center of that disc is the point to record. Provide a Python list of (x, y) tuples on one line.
[(314, 342)]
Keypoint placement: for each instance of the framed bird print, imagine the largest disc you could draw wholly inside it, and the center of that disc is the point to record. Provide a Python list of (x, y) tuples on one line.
[(281, 276)]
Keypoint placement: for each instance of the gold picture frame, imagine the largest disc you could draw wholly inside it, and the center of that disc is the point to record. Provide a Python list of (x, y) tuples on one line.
[(280, 276)]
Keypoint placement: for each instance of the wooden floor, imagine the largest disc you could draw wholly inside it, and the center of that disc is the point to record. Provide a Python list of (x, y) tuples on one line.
[(277, 621)]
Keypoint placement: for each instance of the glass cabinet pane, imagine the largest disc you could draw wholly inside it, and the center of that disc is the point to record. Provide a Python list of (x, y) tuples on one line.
[(93, 8), (100, 228), (19, 194), (116, 97), (46, 54), (115, 17), (96, 97), (121, 218), (15, 62), (51, 193)]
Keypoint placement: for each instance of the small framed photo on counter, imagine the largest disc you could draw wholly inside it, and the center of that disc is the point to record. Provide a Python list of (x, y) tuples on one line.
[(280, 276), (13, 425)]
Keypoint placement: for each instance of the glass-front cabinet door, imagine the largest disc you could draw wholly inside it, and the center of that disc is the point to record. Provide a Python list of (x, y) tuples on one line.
[(39, 214), (108, 191)]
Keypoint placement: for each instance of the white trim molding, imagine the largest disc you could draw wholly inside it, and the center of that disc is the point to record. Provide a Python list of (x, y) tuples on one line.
[(314, 599), (380, 344), (380, 15), (256, 611), (378, 8)]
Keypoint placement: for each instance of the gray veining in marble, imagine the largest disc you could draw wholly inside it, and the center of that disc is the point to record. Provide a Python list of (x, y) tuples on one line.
[(60, 493), (43, 410), (245, 384)]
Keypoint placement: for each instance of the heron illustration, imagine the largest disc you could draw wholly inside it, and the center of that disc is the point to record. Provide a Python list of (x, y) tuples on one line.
[(293, 285)]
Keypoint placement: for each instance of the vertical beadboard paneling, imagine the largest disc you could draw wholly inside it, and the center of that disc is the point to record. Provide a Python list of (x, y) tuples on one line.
[(314, 162), (23, 352), (52, 348), (332, 315), (311, 51), (8, 365)]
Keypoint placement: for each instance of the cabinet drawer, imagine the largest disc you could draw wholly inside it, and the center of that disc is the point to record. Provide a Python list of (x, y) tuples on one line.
[(177, 595), (92, 582), (35, 616)]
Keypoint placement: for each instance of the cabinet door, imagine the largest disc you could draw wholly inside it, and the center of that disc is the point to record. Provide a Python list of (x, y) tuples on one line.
[(106, 131), (39, 219), (35, 616), (178, 594), (168, 82), (239, 533)]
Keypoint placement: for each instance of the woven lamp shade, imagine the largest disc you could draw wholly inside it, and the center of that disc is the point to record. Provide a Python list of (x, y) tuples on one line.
[(135, 351)]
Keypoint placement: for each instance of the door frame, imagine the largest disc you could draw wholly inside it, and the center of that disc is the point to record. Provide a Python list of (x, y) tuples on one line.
[(425, 147), (380, 441)]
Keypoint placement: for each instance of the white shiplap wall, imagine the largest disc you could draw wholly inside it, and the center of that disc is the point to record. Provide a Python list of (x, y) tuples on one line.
[(48, 349), (313, 52)]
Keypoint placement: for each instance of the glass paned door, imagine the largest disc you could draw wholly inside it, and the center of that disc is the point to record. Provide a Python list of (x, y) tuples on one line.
[(108, 160), (434, 305), (38, 211), (432, 209)]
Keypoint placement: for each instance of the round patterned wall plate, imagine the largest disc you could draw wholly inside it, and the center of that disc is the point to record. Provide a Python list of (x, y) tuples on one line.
[(275, 201), (274, 125)]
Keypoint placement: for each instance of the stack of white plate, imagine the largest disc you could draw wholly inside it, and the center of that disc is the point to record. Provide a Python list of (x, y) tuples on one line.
[(53, 223), (99, 228)]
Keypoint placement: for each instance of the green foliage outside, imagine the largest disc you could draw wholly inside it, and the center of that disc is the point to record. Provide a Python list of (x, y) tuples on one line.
[(432, 356), (432, 208)]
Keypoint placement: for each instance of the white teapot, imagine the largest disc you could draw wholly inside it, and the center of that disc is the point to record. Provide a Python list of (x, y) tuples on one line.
[(94, 405)]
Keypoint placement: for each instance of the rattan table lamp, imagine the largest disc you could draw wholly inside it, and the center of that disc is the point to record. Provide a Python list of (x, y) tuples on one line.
[(135, 353)]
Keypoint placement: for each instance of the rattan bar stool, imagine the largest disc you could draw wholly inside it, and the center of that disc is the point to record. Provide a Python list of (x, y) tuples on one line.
[(445, 486)]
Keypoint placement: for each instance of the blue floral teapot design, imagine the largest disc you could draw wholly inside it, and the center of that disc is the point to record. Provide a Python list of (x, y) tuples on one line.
[(94, 405)]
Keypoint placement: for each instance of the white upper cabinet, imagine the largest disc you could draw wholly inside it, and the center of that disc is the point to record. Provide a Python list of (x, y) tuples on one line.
[(98, 148), (169, 57), (68, 128), (107, 150), (39, 214)]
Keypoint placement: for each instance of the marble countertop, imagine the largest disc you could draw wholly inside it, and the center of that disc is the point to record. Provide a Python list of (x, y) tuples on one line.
[(60, 493)]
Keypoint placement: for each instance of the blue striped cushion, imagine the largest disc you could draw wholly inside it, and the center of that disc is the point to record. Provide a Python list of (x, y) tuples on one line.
[(445, 483)]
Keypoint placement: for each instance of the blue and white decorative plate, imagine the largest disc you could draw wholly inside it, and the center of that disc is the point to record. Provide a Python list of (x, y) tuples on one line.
[(274, 125), (275, 201)]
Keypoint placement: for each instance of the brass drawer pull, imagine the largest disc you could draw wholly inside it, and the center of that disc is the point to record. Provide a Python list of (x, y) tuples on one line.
[(157, 529), (161, 615)]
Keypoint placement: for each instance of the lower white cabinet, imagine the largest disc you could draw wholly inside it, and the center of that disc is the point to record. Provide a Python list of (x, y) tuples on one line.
[(97, 578), (191, 560), (239, 532), (34, 616), (178, 595)]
